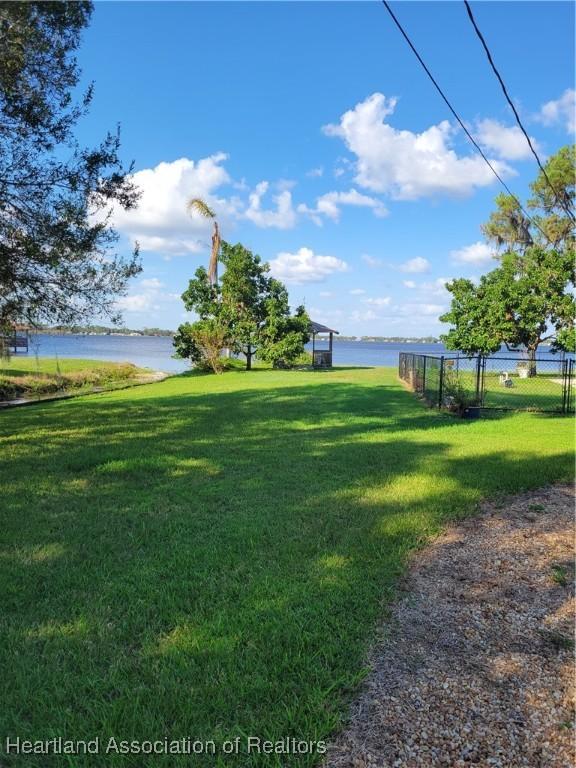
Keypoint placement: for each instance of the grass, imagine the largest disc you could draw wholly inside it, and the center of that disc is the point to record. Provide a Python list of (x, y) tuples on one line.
[(33, 377), (541, 392), (559, 575), (209, 556)]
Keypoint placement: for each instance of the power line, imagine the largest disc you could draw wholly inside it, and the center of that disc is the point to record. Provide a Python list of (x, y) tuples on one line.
[(466, 131), (516, 115)]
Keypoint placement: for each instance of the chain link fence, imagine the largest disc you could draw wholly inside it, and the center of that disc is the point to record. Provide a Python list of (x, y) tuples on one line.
[(503, 383)]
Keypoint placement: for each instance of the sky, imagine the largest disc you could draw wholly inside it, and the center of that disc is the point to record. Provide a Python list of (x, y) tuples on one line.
[(314, 134)]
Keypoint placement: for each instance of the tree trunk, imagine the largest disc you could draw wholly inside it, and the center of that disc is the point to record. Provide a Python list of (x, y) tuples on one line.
[(249, 359)]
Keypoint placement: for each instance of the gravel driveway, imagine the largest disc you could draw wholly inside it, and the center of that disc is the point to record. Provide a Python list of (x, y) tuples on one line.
[(476, 664)]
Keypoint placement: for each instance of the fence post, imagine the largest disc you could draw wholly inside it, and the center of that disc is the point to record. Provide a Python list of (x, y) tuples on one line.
[(567, 399), (564, 386), (441, 381), (424, 376), (479, 379)]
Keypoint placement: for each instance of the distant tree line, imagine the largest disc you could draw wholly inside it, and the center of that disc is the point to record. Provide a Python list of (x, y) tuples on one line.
[(102, 330), (391, 339)]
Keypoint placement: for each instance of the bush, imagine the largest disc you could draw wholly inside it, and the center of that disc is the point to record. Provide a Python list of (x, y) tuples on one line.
[(457, 398), (202, 343)]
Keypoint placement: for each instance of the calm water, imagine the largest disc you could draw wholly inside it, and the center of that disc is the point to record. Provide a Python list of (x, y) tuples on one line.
[(156, 352)]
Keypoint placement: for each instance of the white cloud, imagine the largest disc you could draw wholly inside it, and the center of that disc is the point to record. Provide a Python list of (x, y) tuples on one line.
[(137, 302), (330, 204), (421, 309), (408, 165), (562, 110), (507, 142), (326, 294), (283, 217), (415, 265), (151, 282), (372, 261), (325, 316), (436, 287), (409, 283), (305, 266), (357, 291), (477, 253), (161, 222), (150, 299), (380, 301), (315, 173), (361, 317)]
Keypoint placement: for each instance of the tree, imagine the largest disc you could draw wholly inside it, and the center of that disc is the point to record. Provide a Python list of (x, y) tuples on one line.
[(248, 308), (202, 343), (56, 197), (202, 208), (245, 289), (283, 336), (528, 299)]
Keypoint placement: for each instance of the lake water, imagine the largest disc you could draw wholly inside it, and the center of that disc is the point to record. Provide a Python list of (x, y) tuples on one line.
[(156, 351)]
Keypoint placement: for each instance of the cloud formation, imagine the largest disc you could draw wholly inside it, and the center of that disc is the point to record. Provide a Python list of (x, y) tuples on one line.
[(330, 205), (379, 301), (281, 217), (415, 265), (372, 261), (477, 253), (561, 111), (160, 222), (148, 297), (507, 142), (305, 266), (408, 165)]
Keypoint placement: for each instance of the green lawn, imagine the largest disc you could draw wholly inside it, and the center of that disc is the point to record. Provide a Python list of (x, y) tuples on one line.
[(209, 556), (541, 392)]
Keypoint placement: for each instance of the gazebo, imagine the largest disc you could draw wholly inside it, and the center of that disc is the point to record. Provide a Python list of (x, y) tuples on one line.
[(16, 339), (321, 358)]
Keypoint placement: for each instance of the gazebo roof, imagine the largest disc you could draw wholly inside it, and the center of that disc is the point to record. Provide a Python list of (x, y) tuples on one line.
[(319, 328)]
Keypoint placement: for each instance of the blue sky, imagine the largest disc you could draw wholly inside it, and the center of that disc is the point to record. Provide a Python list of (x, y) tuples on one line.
[(321, 144)]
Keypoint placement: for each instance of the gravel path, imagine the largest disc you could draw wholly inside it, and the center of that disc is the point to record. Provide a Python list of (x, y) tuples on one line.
[(476, 663)]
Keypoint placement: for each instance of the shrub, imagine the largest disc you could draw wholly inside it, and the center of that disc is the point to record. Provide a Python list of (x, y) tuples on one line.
[(456, 397)]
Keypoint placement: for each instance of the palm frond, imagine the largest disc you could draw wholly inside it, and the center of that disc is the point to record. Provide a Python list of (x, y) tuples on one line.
[(201, 207)]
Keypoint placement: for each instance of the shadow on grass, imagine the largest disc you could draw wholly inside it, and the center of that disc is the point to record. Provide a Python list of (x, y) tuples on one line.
[(212, 563)]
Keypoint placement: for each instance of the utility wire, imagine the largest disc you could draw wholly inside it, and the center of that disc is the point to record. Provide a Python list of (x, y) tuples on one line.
[(466, 131), (516, 115)]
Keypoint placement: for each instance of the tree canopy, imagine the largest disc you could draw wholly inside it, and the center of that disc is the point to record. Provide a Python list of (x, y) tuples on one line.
[(528, 299), (248, 312), (56, 258)]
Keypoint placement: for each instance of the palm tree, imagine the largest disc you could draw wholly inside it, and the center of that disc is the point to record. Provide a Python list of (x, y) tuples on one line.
[(201, 207)]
